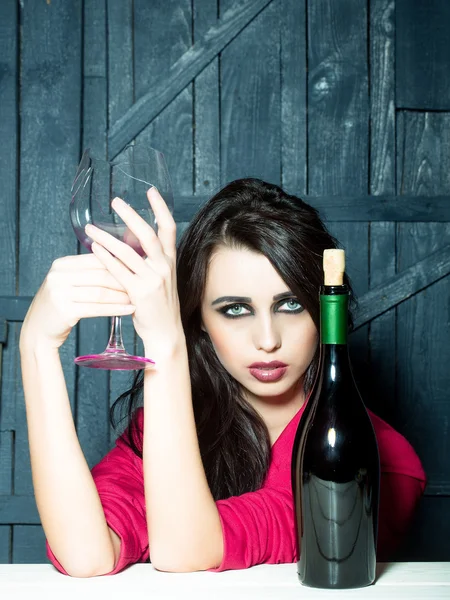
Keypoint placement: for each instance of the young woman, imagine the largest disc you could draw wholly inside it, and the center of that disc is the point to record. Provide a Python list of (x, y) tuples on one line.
[(200, 479)]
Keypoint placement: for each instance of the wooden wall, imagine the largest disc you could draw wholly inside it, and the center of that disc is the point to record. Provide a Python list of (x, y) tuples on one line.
[(345, 103)]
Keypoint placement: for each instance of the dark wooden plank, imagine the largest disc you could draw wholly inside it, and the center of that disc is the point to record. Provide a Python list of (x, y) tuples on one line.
[(429, 537), (338, 127), (408, 282), (423, 327), (9, 36), (171, 131), (382, 341), (422, 54), (18, 509), (50, 141), (181, 73), (338, 109), (206, 109), (250, 99), (382, 338), (293, 66), (121, 96), (6, 472), (29, 545), (92, 418), (5, 544), (6, 461)]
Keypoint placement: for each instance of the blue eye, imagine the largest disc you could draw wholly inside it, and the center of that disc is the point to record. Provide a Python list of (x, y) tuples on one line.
[(233, 310), (294, 306)]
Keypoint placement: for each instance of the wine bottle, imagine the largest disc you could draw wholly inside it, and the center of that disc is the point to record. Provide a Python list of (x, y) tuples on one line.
[(335, 460)]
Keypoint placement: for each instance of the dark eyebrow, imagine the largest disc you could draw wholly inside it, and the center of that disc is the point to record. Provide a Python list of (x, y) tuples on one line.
[(247, 299)]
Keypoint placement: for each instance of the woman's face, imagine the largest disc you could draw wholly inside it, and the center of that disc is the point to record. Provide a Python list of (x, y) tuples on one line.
[(247, 323)]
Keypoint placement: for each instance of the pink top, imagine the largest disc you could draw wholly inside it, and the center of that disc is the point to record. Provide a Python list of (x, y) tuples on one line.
[(258, 527)]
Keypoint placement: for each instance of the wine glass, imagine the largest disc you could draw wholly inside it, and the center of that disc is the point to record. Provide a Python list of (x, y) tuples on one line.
[(97, 182)]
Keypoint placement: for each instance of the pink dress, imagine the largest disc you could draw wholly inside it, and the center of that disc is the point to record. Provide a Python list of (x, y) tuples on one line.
[(258, 527)]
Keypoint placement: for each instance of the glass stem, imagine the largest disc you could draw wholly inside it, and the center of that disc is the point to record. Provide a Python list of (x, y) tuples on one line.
[(115, 343)]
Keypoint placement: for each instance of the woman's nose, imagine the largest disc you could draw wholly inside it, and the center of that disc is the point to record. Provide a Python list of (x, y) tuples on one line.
[(266, 335)]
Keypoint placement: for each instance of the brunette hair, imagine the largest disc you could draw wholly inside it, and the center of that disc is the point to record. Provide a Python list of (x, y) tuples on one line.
[(258, 216)]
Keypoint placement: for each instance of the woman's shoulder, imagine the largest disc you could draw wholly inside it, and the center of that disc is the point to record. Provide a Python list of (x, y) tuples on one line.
[(396, 453)]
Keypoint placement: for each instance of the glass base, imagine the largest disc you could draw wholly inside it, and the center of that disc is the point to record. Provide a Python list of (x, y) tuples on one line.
[(114, 361)]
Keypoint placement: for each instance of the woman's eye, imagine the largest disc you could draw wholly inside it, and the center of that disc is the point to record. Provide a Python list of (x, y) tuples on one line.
[(293, 306), (235, 310)]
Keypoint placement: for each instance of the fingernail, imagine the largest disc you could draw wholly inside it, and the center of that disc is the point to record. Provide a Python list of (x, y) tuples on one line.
[(118, 201)]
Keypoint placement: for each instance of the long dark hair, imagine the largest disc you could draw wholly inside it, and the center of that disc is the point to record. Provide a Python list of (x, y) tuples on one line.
[(250, 214)]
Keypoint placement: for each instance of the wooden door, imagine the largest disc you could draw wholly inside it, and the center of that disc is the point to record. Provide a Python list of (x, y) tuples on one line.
[(345, 104)]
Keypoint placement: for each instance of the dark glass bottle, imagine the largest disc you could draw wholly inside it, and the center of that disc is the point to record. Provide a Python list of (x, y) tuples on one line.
[(335, 465)]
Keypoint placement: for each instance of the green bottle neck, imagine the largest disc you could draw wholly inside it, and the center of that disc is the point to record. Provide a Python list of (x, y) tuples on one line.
[(333, 314)]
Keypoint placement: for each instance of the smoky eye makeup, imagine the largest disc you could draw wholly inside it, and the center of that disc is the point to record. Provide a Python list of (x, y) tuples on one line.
[(240, 307)]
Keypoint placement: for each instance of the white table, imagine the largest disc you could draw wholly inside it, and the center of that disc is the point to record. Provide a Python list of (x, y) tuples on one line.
[(395, 581)]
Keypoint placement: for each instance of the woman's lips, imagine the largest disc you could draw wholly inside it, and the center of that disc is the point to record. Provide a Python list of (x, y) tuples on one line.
[(267, 374)]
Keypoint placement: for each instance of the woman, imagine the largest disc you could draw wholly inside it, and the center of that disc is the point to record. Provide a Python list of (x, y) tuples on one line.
[(200, 480)]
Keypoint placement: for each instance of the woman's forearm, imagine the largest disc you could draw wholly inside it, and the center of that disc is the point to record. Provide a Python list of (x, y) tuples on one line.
[(185, 532), (66, 497)]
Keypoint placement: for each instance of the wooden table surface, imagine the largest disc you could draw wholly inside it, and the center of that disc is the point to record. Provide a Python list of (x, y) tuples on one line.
[(396, 581)]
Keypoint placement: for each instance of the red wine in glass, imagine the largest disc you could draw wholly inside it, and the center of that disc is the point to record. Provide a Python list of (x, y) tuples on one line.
[(97, 182)]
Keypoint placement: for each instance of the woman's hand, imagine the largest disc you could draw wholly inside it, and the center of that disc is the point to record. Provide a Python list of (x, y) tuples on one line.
[(151, 282), (75, 287)]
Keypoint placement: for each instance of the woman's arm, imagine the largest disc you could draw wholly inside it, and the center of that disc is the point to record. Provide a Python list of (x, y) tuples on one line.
[(66, 496), (184, 527)]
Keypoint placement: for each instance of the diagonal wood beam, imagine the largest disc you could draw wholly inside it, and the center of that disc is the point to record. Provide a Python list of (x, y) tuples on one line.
[(181, 73), (404, 285)]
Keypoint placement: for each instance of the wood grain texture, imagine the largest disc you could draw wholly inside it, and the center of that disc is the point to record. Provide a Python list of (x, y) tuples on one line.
[(423, 328), (206, 102), (294, 82), (9, 230), (382, 235), (92, 408), (338, 126), (250, 99), (121, 95), (50, 140), (422, 54), (9, 226), (49, 148), (181, 73)]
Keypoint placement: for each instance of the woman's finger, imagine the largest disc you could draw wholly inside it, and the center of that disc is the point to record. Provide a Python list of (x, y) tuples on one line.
[(126, 255), (167, 228), (77, 262), (84, 311), (116, 266), (99, 295), (101, 278), (139, 231)]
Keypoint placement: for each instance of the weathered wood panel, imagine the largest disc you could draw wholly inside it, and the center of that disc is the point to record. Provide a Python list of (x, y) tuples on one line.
[(382, 344), (295, 92), (338, 117), (206, 132), (92, 409), (294, 82), (250, 99), (422, 54), (8, 240), (121, 95), (423, 328), (49, 149)]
